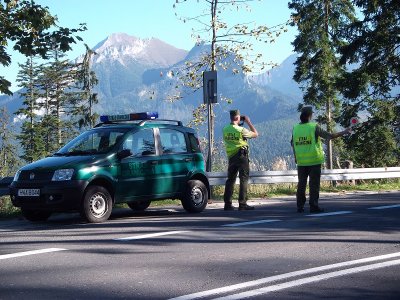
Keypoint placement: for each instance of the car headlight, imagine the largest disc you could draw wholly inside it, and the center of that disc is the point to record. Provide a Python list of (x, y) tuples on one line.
[(16, 176), (63, 174)]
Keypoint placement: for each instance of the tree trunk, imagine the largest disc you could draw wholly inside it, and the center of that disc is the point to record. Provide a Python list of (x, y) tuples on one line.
[(211, 117)]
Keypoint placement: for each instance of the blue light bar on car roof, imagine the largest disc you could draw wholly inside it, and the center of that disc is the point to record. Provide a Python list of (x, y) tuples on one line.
[(129, 117)]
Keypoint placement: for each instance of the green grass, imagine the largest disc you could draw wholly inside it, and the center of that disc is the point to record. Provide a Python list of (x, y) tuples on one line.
[(371, 185), (288, 189), (258, 191), (165, 203), (7, 210)]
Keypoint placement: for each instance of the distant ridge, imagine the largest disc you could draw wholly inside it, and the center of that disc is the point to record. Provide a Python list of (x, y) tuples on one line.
[(280, 78)]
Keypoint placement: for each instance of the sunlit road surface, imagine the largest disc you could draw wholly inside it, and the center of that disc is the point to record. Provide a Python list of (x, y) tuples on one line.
[(351, 251)]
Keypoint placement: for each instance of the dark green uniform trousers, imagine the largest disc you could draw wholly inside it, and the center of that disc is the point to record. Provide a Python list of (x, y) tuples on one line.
[(237, 163), (314, 173)]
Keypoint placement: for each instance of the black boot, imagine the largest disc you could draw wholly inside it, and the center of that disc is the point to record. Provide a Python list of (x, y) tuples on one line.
[(246, 207)]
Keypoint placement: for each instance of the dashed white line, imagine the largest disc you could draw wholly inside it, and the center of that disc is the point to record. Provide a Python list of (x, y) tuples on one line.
[(248, 284), (311, 279), (33, 252), (344, 212), (250, 223), (385, 207), (150, 235)]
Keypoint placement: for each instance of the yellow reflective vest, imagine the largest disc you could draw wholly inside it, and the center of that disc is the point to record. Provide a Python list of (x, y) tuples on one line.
[(307, 149), (233, 139)]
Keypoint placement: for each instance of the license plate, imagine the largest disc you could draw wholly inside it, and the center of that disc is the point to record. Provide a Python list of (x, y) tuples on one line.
[(29, 192)]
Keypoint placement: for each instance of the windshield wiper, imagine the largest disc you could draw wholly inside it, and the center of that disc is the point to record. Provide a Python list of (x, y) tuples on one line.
[(58, 154), (80, 152)]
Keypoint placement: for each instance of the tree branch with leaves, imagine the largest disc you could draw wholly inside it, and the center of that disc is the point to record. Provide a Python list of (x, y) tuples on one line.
[(32, 30), (230, 47)]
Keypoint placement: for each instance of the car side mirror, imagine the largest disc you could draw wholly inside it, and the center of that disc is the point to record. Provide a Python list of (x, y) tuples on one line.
[(124, 153)]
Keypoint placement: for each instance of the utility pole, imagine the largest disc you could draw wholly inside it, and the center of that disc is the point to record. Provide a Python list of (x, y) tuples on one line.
[(328, 100), (211, 119)]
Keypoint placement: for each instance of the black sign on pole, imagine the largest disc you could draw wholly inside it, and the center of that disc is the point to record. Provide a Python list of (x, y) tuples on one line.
[(210, 87)]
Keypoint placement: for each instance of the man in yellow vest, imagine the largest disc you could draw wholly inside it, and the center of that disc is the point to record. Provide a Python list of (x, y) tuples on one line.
[(237, 149), (309, 156)]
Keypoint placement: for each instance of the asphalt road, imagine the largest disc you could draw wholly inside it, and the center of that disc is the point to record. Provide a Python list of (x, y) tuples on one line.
[(352, 252)]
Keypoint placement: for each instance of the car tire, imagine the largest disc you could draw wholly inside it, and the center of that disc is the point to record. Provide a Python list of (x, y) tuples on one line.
[(35, 215), (195, 196), (139, 205), (97, 204)]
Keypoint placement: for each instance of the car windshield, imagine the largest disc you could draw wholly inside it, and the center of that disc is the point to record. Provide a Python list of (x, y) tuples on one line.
[(96, 141)]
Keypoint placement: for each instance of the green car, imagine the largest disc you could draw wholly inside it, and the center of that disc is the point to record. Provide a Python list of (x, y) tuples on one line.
[(131, 159)]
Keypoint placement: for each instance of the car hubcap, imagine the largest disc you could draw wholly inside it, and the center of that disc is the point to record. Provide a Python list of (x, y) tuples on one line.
[(98, 205), (197, 196)]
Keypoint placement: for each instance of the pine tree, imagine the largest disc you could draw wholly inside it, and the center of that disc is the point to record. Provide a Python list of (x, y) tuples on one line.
[(369, 87), (317, 67), (48, 119), (374, 144), (56, 83), (30, 129), (85, 99), (8, 156)]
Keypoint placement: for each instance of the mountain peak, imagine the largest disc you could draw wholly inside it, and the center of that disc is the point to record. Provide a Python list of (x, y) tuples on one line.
[(121, 42), (125, 48), (120, 38)]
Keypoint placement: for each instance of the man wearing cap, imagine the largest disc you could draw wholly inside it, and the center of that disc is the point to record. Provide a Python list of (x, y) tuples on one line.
[(237, 149), (309, 157)]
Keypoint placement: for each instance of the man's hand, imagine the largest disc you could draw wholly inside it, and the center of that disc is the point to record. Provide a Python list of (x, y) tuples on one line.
[(347, 131), (342, 133), (252, 128)]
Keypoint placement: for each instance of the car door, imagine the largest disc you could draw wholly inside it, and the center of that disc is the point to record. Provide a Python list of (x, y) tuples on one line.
[(175, 159), (138, 176)]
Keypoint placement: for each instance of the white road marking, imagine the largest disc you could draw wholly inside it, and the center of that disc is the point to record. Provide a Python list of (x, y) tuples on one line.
[(248, 284), (150, 235), (33, 252), (344, 212), (250, 223), (311, 279), (385, 207)]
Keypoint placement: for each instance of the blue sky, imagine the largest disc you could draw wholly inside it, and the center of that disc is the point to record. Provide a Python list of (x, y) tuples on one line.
[(156, 18)]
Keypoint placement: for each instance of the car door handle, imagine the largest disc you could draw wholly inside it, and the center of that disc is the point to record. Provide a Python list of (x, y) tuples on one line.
[(153, 162), (187, 159)]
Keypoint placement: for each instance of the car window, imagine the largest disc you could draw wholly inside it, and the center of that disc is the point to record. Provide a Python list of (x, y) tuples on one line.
[(194, 143), (172, 141), (93, 141), (140, 143)]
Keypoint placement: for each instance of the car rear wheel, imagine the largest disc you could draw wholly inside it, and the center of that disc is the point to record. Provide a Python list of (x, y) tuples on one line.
[(97, 204), (35, 215), (139, 205), (195, 197)]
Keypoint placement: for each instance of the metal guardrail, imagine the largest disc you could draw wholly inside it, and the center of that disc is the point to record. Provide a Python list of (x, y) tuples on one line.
[(290, 176), (4, 183), (271, 177)]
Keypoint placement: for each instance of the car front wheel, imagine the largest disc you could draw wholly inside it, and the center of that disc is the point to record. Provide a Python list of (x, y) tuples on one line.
[(195, 197), (97, 204)]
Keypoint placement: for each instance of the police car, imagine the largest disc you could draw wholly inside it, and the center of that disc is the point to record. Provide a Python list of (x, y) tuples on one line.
[(134, 158)]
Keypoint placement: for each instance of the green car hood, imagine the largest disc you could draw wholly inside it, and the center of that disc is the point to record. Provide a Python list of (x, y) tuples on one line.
[(63, 162)]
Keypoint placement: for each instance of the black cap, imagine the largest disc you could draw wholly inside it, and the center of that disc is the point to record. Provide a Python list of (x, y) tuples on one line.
[(307, 109), (234, 113)]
